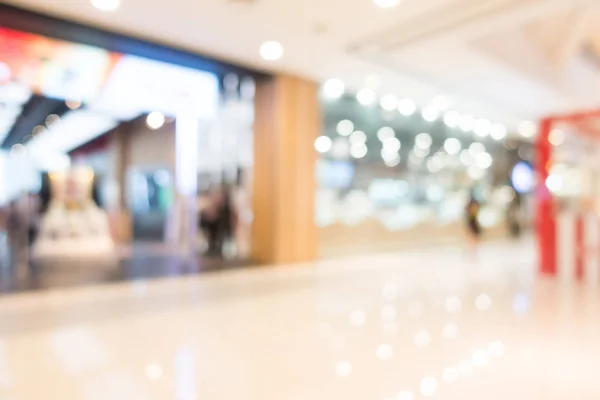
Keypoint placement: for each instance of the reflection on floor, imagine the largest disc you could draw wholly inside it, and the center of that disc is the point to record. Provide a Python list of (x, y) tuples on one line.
[(141, 261), (413, 326)]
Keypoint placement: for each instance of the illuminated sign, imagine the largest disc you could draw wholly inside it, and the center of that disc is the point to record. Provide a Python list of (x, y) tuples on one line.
[(139, 85), (54, 68)]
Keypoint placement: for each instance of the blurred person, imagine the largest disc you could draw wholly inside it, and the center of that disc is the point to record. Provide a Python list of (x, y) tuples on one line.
[(34, 207), (473, 227), (16, 229), (513, 217), (227, 218), (209, 221)]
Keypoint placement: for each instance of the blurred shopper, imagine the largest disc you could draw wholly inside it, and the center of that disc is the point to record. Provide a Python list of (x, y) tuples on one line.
[(473, 226), (227, 220), (218, 221), (16, 229), (209, 222), (513, 217), (34, 207)]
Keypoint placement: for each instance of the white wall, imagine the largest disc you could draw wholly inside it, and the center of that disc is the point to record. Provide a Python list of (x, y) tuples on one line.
[(18, 174)]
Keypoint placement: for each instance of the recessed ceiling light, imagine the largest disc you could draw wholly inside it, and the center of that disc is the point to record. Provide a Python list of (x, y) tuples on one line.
[(333, 89), (323, 144), (72, 104), (106, 5), (389, 102), (528, 129), (407, 107), (271, 50), (155, 120), (366, 97), (386, 3)]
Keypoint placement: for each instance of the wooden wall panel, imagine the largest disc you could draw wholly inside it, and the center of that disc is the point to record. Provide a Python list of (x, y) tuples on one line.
[(286, 124)]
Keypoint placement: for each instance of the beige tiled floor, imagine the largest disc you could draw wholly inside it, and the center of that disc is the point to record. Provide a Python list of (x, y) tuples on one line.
[(364, 328)]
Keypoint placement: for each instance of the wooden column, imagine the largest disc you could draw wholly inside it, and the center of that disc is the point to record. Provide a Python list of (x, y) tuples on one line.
[(287, 122)]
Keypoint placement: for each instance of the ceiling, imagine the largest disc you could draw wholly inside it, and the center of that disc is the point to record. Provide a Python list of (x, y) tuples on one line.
[(505, 60)]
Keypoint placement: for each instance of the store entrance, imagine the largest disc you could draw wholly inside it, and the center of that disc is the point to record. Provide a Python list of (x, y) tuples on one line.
[(109, 148)]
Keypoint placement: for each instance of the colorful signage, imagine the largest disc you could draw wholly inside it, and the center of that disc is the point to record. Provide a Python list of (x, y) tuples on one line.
[(54, 68)]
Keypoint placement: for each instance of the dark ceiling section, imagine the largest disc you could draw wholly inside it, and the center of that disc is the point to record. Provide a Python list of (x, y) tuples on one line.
[(28, 21), (35, 112)]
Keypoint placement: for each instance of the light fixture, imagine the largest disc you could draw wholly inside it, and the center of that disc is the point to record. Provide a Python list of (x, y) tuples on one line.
[(475, 173), (386, 3), (52, 119), (556, 137), (452, 146), (358, 150), (481, 358), (466, 158), (430, 113), (358, 137), (72, 104), (554, 183), (407, 107), (271, 50), (345, 127), (483, 160), (405, 395), (423, 141), (466, 123), (527, 129), (482, 127), (18, 149), (37, 130), (385, 133), (422, 339), (476, 148), (498, 131), (450, 331), (391, 161), (385, 352), (429, 386), (106, 5), (343, 369), (323, 144), (392, 145), (389, 102), (333, 89), (155, 120), (340, 148), (451, 119), (358, 318), (483, 302), (366, 97), (453, 305), (153, 371)]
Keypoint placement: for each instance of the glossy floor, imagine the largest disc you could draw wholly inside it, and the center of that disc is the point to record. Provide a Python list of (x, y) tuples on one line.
[(426, 324), (134, 262)]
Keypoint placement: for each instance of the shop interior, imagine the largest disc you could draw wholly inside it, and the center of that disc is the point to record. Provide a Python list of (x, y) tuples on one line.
[(114, 150), (393, 176)]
